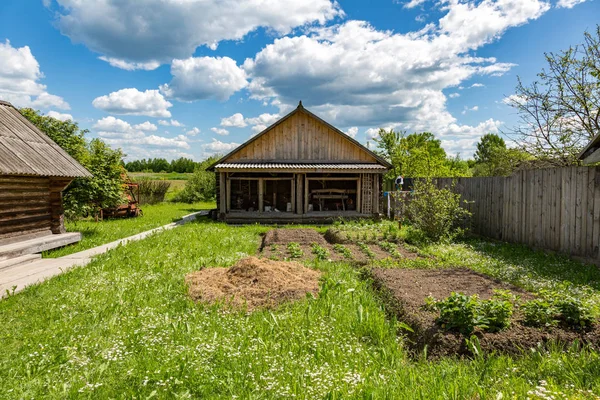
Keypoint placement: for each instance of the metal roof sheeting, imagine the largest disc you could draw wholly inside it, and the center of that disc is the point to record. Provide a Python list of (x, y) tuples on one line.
[(293, 166), (25, 150)]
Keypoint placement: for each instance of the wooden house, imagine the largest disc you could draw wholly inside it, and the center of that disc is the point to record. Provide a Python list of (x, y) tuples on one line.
[(33, 173), (300, 169), (591, 153)]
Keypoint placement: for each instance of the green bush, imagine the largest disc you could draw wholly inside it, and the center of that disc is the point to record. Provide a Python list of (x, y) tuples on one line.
[(320, 252), (539, 312), (574, 312), (200, 187), (462, 313), (152, 192), (437, 213), (295, 250)]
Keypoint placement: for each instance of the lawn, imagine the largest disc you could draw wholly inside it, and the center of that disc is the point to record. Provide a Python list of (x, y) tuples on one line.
[(176, 179), (124, 327), (98, 233)]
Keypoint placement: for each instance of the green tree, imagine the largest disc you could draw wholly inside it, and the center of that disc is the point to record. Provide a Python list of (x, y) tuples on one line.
[(487, 145), (560, 111), (84, 195), (417, 155), (493, 158)]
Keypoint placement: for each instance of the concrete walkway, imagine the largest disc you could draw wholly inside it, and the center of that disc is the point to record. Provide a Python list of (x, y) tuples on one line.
[(15, 278)]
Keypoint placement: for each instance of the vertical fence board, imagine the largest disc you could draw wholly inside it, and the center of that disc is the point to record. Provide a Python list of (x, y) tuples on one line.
[(556, 209)]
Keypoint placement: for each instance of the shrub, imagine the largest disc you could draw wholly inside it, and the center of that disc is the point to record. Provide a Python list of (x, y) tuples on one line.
[(366, 250), (295, 250), (436, 212), (463, 313), (343, 250), (574, 312), (152, 192), (320, 252), (200, 187), (539, 312)]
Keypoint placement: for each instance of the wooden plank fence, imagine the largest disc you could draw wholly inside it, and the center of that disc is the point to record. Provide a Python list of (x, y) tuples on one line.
[(555, 209)]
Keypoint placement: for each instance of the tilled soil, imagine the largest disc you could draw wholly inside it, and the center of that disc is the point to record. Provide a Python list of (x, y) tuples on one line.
[(253, 283), (285, 236), (275, 247), (405, 290)]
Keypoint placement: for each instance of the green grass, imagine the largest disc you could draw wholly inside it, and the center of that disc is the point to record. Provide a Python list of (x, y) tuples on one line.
[(169, 176), (98, 233), (124, 327)]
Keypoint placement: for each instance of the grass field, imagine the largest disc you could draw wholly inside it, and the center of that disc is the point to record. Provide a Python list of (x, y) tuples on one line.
[(176, 179), (124, 327), (98, 233)]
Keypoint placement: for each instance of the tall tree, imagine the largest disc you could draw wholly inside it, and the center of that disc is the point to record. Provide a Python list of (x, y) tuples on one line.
[(487, 146), (560, 112)]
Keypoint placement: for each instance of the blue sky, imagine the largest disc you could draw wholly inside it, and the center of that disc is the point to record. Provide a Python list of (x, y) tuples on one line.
[(167, 78)]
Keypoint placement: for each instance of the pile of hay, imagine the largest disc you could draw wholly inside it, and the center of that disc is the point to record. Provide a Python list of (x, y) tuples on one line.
[(254, 283)]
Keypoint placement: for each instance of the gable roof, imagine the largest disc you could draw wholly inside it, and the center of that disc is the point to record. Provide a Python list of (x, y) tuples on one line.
[(301, 109), (26, 150)]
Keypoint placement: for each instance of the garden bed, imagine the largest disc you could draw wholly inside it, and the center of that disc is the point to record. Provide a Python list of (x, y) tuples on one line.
[(308, 244), (405, 291)]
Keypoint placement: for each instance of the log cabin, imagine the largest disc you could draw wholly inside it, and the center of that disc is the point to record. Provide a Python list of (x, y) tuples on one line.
[(33, 173), (301, 169)]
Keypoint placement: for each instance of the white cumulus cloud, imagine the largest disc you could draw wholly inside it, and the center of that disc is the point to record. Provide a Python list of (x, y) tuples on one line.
[(146, 126), (193, 132), (236, 121), (352, 131), (199, 78), (20, 77), (131, 101), (60, 116), (131, 35), (216, 146), (220, 131), (172, 122)]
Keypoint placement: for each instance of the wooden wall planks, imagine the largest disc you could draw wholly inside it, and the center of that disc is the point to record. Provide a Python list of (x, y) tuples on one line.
[(555, 209)]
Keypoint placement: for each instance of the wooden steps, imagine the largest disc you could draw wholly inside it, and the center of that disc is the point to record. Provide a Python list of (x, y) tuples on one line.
[(19, 261), (37, 245)]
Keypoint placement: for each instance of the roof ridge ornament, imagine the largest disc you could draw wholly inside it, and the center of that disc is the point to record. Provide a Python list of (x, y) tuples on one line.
[(300, 104)]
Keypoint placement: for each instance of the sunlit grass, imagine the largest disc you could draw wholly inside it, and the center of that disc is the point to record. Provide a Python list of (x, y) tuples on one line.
[(98, 233), (124, 327)]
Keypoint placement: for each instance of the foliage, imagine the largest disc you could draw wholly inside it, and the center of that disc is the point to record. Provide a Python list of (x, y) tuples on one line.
[(418, 155), (366, 250), (486, 146), (436, 212), (99, 233), (124, 327), (574, 312), (560, 112), (539, 312), (180, 165), (391, 248), (152, 192), (320, 252), (463, 313), (295, 250), (202, 186), (343, 250), (84, 195)]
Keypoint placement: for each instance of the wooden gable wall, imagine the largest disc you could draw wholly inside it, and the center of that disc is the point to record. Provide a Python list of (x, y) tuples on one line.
[(302, 138)]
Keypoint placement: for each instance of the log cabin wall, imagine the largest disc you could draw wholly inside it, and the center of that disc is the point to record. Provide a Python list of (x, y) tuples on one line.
[(25, 205), (301, 138)]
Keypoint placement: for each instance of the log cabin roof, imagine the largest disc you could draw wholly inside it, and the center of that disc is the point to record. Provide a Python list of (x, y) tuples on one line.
[(289, 147), (26, 150)]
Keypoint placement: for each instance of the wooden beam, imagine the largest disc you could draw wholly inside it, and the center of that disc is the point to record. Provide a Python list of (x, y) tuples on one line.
[(293, 191), (299, 202), (222, 194), (228, 205), (326, 178), (261, 190), (358, 190), (305, 195)]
